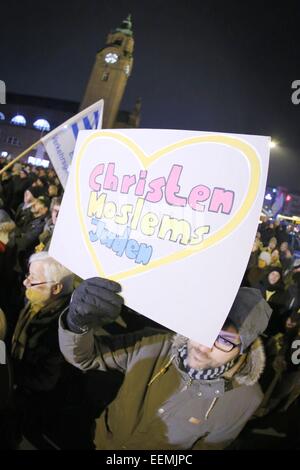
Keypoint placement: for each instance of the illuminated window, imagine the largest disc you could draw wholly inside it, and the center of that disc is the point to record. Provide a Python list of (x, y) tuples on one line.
[(127, 69), (13, 141), (2, 117), (42, 125), (18, 120)]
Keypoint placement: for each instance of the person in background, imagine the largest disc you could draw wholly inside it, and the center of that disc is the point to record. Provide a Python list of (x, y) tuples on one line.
[(283, 352), (275, 260), (23, 213), (21, 181), (271, 245), (286, 257), (46, 235), (257, 272), (27, 237), (34, 350), (52, 190)]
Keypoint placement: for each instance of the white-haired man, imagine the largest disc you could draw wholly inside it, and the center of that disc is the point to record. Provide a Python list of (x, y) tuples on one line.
[(35, 350)]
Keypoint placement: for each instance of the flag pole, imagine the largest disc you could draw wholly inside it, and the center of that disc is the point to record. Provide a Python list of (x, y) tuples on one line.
[(20, 156)]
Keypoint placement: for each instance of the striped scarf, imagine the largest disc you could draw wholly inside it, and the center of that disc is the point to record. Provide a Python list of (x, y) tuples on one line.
[(202, 374)]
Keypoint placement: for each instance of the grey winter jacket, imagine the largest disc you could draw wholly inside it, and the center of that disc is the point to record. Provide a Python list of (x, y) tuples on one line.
[(158, 406)]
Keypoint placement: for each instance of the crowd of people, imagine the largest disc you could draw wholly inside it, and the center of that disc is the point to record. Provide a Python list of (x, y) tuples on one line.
[(171, 392)]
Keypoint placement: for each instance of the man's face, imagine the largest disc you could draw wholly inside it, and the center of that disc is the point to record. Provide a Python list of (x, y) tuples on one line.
[(38, 209), (28, 197), (283, 246), (290, 324), (275, 255), (52, 190), (272, 244), (54, 213), (202, 357), (38, 288), (273, 277)]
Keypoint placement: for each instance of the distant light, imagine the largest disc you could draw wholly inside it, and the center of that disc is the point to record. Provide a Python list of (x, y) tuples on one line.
[(288, 198), (42, 125), (65, 127), (38, 161), (4, 154), (18, 120), (2, 117), (268, 197), (274, 190), (273, 144)]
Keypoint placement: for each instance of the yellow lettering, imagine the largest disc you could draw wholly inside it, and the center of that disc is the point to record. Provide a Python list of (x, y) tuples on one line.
[(198, 234), (96, 205), (148, 223), (177, 228)]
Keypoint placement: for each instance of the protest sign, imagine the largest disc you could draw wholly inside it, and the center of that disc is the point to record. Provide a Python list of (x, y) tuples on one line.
[(171, 215)]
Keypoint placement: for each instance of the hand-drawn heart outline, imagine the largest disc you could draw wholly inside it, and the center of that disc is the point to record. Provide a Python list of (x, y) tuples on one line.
[(146, 161)]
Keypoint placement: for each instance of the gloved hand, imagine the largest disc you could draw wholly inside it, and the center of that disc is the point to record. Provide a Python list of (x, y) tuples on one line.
[(94, 303)]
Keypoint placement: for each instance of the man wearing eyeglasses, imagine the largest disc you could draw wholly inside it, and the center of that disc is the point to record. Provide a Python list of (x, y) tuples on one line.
[(176, 393), (35, 350)]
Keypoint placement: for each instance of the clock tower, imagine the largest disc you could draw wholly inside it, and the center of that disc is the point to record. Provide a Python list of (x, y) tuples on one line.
[(110, 73)]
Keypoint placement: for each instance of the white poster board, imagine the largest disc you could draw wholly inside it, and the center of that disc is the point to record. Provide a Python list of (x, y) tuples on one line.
[(171, 215)]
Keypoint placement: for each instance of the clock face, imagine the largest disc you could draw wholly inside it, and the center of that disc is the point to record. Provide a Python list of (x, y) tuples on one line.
[(111, 58)]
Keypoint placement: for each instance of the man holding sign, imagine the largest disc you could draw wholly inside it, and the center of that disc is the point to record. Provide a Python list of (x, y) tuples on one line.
[(177, 393), (159, 208)]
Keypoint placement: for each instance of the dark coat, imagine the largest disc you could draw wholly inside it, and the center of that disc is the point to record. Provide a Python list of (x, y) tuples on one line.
[(28, 238), (40, 367)]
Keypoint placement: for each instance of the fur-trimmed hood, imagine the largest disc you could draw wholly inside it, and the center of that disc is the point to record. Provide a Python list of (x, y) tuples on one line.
[(246, 371)]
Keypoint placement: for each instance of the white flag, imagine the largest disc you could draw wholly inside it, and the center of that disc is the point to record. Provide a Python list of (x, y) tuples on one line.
[(60, 143)]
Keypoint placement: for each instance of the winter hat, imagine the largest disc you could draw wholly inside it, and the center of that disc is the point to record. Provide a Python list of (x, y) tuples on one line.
[(279, 284), (36, 191), (250, 314), (266, 257)]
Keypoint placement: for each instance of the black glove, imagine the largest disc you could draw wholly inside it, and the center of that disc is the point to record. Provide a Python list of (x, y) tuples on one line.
[(95, 302)]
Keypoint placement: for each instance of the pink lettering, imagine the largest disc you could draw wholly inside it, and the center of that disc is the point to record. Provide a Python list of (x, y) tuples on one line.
[(221, 198), (98, 170), (111, 180), (173, 187), (127, 182), (156, 193), (140, 187), (198, 194)]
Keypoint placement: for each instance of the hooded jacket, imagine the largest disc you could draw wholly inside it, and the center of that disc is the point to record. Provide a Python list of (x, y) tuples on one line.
[(158, 405)]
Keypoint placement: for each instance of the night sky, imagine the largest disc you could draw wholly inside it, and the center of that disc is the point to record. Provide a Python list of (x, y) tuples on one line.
[(200, 65)]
